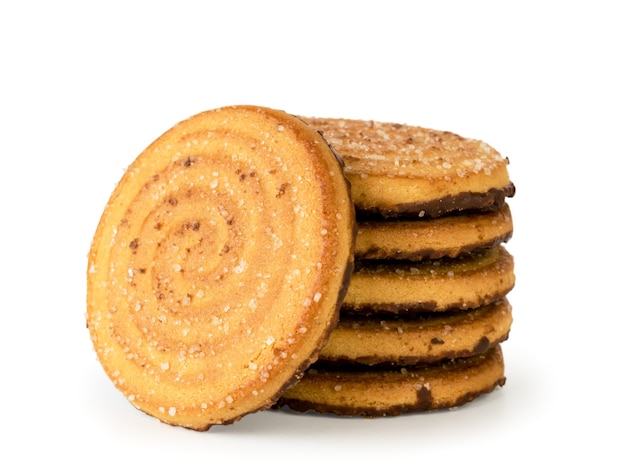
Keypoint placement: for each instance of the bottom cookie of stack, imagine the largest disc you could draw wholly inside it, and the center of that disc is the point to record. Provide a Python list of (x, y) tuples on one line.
[(380, 390)]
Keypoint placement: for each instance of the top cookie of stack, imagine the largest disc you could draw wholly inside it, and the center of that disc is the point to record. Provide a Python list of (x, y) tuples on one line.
[(431, 276), (400, 170)]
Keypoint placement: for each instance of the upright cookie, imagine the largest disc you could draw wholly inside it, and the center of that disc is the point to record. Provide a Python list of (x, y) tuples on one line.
[(402, 170), (219, 265), (372, 391)]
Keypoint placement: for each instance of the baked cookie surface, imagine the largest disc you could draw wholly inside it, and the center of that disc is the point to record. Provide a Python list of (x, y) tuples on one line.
[(219, 265), (433, 238), (465, 282), (403, 170), (375, 391), (420, 339)]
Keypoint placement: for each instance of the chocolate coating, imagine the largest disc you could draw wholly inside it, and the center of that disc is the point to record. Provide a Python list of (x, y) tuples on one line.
[(435, 208)]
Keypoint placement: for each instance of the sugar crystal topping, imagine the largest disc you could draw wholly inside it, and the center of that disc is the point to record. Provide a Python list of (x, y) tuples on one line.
[(371, 147)]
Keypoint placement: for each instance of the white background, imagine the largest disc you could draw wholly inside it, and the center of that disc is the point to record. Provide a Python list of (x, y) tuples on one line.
[(86, 86)]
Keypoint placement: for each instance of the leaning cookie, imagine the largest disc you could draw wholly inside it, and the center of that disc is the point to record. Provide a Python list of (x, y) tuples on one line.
[(402, 170), (373, 391), (465, 282), (418, 339), (219, 265)]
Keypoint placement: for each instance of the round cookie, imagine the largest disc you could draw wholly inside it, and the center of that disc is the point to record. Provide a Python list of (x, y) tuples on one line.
[(375, 391), (421, 339), (433, 238), (402, 170), (219, 265), (468, 281)]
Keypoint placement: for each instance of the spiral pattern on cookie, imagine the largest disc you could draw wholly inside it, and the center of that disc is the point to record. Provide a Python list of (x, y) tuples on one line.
[(219, 264)]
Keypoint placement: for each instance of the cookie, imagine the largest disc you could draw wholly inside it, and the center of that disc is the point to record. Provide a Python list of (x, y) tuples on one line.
[(372, 391), (402, 170), (469, 281), (418, 339), (218, 267), (433, 238), (426, 309)]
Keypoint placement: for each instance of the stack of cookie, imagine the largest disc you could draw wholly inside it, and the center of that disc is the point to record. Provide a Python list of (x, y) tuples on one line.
[(426, 309), (242, 263)]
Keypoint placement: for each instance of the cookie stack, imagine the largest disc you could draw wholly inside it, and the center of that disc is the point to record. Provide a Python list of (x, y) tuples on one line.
[(426, 311), (243, 264)]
